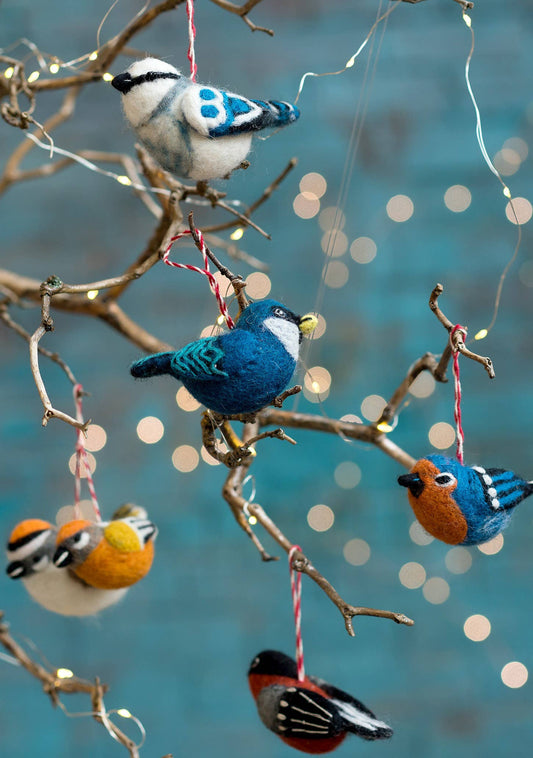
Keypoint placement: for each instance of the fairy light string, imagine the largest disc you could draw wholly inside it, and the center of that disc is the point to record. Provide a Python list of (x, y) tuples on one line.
[(454, 344), (506, 191), (82, 457), (206, 271), (296, 589)]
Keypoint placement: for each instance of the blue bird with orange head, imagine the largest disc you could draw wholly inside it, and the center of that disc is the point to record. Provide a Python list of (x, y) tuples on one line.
[(462, 505)]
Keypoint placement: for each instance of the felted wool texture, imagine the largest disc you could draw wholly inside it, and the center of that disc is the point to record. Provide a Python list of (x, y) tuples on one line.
[(484, 497), (193, 130), (238, 372), (108, 568), (330, 713)]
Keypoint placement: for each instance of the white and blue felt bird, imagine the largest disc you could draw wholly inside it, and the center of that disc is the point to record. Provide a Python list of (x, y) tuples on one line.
[(240, 371), (193, 130)]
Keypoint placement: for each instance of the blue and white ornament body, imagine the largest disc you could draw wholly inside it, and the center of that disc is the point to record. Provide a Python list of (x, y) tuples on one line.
[(240, 371), (30, 551), (193, 130), (462, 505)]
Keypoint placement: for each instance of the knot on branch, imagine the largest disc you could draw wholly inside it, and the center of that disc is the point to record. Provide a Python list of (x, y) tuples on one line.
[(15, 117), (52, 286)]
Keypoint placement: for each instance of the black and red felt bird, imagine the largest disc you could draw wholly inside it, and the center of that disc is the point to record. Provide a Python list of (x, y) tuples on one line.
[(309, 715)]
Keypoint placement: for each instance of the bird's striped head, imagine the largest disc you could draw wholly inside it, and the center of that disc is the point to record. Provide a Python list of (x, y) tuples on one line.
[(75, 541), (30, 548)]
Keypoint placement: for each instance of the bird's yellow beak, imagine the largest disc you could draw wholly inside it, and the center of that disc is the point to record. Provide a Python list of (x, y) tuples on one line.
[(307, 324)]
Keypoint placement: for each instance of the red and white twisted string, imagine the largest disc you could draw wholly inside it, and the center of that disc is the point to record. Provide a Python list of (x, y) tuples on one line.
[(296, 588), (192, 35), (81, 454), (458, 394), (205, 271)]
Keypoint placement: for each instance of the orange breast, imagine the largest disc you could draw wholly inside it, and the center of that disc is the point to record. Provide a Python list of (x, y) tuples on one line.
[(435, 507), (109, 569)]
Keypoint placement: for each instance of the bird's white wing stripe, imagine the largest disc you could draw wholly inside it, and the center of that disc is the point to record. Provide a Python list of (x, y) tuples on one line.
[(313, 715), (30, 547), (313, 702), (351, 713), (310, 731)]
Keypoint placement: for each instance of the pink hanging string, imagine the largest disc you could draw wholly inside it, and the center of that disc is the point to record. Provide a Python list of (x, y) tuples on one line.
[(192, 35), (81, 456), (457, 383), (296, 588), (215, 289)]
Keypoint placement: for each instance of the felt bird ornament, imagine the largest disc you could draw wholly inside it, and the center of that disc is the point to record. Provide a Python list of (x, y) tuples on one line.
[(309, 715), (30, 550), (107, 555), (240, 371), (462, 505), (193, 130)]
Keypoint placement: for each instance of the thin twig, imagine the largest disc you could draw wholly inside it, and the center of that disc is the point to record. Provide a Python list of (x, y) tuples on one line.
[(242, 11)]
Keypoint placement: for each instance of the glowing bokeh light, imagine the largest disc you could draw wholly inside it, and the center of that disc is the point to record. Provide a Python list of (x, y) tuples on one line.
[(493, 546), (334, 243), (306, 205), (319, 329), (418, 534), (185, 458), (317, 379), (331, 218), (186, 401), (314, 183), (372, 407), (477, 627), (356, 552), (457, 198), (96, 438), (458, 560), (400, 208), (412, 575), (423, 385), (347, 475), (514, 674), (150, 430), (507, 161), (208, 458), (336, 274), (441, 435), (258, 285), (436, 590), (518, 145), (351, 418), (522, 208), (320, 518), (363, 250), (91, 460)]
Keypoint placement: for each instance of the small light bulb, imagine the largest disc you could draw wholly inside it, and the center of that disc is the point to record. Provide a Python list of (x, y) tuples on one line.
[(237, 234), (467, 20), (220, 320), (384, 427), (93, 56), (252, 520), (507, 191), (253, 451), (8, 73), (125, 180), (315, 386), (350, 63), (481, 334), (124, 713), (92, 294), (33, 76), (54, 68), (64, 674), (107, 77)]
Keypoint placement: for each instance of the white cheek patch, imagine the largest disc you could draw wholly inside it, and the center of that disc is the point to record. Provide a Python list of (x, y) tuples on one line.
[(30, 547), (83, 541), (287, 332)]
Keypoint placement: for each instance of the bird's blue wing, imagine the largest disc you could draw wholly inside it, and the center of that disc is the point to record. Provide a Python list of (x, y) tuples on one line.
[(215, 113), (199, 360)]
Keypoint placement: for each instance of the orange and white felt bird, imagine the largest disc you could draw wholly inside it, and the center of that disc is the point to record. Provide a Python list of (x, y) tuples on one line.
[(30, 550), (107, 555)]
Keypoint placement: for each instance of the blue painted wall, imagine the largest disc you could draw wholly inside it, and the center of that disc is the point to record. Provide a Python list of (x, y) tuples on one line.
[(176, 651)]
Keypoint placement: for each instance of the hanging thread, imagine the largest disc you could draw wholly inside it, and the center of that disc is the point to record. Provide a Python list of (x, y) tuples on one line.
[(215, 289), (457, 388), (192, 35), (296, 588), (81, 455)]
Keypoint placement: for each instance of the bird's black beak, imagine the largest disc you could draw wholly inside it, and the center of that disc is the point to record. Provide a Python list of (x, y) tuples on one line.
[(62, 557), (413, 482), (122, 82), (16, 570)]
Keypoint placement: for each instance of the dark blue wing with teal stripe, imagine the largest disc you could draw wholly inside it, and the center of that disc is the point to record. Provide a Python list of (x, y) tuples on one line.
[(503, 489), (215, 113)]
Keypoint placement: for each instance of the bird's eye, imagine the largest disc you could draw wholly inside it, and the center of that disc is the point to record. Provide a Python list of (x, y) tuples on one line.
[(255, 662), (77, 538), (445, 479), (279, 312), (81, 539)]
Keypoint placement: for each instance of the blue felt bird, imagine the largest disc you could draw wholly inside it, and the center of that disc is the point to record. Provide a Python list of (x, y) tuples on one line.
[(462, 505), (193, 130), (240, 371)]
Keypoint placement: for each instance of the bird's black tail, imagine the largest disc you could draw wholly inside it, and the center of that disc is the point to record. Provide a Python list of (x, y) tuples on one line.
[(154, 365), (362, 722)]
